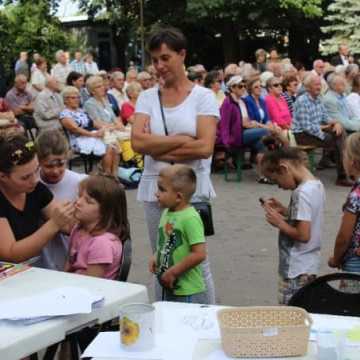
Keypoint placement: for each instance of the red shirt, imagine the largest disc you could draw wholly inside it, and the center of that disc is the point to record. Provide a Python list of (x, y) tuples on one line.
[(3, 106), (127, 110)]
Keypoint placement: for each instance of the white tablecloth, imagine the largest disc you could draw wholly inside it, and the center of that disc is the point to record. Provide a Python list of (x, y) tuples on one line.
[(209, 349), (18, 341)]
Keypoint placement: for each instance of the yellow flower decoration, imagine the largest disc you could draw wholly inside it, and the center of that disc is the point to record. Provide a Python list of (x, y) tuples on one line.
[(30, 145), (130, 331)]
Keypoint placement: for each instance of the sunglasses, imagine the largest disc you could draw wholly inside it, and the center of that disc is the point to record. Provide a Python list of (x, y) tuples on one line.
[(276, 85), (240, 86), (73, 97)]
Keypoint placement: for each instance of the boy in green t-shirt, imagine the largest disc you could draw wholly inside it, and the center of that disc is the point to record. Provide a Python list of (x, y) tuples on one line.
[(181, 243)]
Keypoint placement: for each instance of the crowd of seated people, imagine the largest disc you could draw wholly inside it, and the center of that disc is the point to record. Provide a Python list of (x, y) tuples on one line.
[(318, 107)]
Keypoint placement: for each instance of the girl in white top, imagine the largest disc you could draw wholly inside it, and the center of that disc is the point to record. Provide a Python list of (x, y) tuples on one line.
[(39, 77), (300, 224), (191, 114)]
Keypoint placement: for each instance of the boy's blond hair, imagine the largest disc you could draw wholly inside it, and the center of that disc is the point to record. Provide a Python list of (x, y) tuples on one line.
[(182, 179)]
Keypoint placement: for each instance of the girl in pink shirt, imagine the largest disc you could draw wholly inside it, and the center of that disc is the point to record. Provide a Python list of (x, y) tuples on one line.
[(277, 106), (96, 241)]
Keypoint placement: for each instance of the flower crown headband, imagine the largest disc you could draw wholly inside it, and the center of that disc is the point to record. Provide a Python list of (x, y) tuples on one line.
[(18, 154)]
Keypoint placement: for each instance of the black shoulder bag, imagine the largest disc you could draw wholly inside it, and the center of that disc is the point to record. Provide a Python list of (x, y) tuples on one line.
[(202, 207)]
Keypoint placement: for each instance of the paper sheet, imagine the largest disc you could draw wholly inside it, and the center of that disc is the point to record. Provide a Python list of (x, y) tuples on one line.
[(107, 344), (332, 323), (200, 323), (58, 302), (168, 347)]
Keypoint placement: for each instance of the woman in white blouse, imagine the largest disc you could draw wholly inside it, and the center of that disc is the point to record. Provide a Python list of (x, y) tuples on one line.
[(191, 113), (39, 76), (353, 99)]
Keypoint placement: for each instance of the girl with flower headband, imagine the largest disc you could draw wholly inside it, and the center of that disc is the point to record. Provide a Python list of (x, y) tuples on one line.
[(25, 203)]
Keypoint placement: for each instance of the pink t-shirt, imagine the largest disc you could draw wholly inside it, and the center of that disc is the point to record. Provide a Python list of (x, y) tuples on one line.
[(279, 112), (104, 249)]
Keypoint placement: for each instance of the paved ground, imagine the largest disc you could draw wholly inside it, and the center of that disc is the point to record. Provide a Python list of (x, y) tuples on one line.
[(243, 253)]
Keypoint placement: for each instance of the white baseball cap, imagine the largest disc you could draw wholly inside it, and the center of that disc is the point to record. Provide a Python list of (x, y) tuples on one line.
[(234, 80)]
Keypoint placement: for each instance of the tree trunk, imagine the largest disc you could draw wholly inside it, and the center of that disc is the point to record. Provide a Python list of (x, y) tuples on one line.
[(230, 42), (120, 43), (304, 43)]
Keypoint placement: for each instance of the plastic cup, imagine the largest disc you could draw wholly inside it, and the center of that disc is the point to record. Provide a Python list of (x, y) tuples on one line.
[(137, 327)]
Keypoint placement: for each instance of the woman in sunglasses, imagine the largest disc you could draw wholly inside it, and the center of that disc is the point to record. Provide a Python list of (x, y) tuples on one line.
[(25, 203), (236, 129), (277, 106)]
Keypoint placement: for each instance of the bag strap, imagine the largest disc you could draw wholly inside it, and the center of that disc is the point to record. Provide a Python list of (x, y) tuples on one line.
[(162, 114)]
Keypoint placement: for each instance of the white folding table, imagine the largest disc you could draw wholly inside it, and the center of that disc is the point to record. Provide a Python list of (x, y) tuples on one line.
[(18, 341), (205, 347)]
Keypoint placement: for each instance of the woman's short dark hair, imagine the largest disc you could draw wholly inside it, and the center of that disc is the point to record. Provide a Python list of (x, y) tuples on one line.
[(15, 150), (288, 80), (211, 77), (73, 76), (172, 37), (250, 83)]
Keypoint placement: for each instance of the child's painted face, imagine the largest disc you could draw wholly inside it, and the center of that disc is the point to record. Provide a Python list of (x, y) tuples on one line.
[(53, 168), (167, 197), (87, 209)]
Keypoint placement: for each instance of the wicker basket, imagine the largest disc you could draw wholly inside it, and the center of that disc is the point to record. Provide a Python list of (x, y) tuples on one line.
[(272, 331)]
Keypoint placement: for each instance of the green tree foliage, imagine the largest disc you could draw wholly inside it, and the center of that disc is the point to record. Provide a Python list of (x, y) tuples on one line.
[(236, 8), (30, 26), (246, 19), (343, 26)]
